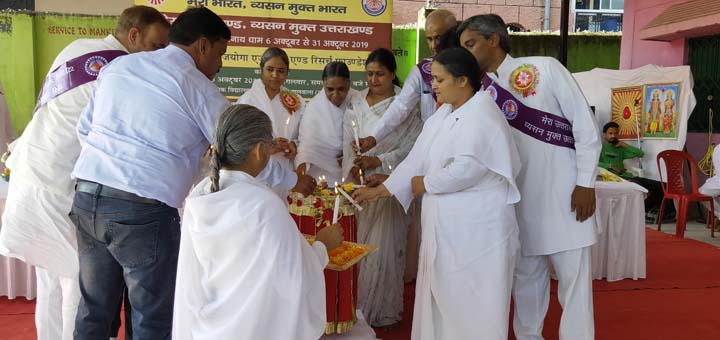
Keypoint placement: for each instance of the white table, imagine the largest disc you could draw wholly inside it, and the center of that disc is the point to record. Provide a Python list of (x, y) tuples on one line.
[(620, 215), (16, 277)]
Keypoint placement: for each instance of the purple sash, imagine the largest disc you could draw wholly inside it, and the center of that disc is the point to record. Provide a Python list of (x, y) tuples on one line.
[(424, 67), (543, 126), (75, 72)]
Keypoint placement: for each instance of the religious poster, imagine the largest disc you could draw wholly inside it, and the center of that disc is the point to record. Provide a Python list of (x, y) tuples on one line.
[(313, 33), (626, 111), (660, 111)]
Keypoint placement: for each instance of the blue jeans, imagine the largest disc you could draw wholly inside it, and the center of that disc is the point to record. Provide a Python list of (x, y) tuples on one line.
[(122, 242)]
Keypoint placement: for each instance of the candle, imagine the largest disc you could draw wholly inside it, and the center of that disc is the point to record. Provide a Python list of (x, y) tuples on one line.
[(287, 128), (359, 208), (336, 211), (343, 180), (362, 180), (287, 132), (357, 139), (390, 167)]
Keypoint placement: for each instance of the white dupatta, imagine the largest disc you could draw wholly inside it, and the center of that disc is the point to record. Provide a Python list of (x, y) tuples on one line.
[(285, 124), (244, 269), (321, 135)]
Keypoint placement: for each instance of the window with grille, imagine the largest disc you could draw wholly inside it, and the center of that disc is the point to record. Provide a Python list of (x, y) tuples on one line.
[(704, 61)]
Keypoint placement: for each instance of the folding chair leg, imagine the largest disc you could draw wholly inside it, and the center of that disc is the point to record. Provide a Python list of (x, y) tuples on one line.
[(660, 214)]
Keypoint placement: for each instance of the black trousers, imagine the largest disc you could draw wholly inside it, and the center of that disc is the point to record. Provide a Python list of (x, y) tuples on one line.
[(655, 194)]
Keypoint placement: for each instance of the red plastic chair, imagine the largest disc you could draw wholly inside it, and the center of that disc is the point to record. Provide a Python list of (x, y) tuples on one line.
[(674, 189)]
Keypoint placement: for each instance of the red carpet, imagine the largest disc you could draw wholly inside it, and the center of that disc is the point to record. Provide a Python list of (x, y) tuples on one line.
[(680, 300)]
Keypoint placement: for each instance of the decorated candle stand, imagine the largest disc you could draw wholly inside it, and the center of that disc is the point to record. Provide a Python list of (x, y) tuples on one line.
[(314, 212)]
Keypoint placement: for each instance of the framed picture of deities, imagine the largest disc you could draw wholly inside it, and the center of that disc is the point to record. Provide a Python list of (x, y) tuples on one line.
[(660, 111), (626, 111)]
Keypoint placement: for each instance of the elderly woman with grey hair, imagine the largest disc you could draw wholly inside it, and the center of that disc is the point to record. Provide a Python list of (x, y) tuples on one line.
[(285, 109), (243, 266)]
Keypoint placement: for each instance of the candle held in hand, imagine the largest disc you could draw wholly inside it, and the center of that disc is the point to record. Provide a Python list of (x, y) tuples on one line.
[(287, 132), (336, 210), (357, 138)]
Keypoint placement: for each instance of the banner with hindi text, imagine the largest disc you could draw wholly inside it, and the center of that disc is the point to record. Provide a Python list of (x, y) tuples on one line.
[(313, 33)]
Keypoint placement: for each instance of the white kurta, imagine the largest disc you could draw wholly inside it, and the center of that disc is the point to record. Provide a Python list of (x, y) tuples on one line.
[(550, 173), (711, 187), (382, 223), (35, 223), (244, 270), (404, 105), (469, 235), (321, 136), (285, 125), (36, 228), (549, 231)]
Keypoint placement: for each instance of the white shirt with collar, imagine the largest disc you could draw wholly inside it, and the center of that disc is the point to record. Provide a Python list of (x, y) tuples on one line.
[(150, 120)]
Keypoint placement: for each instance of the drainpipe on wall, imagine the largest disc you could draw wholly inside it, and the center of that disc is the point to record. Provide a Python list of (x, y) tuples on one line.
[(546, 19)]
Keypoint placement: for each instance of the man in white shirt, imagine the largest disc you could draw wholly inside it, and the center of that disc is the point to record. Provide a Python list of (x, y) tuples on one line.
[(439, 25), (36, 228), (559, 145), (143, 133)]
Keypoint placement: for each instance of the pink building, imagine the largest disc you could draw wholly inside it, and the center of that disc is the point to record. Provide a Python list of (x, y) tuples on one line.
[(679, 32), (657, 31)]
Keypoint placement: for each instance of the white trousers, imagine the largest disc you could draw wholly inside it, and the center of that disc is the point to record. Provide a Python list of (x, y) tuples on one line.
[(57, 302), (531, 291)]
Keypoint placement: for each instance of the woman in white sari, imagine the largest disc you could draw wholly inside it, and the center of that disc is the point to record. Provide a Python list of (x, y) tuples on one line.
[(244, 270), (284, 107), (321, 135), (382, 223), (464, 162)]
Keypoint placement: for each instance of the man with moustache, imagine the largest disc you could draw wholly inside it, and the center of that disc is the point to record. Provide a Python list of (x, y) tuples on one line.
[(148, 123), (559, 145), (35, 224)]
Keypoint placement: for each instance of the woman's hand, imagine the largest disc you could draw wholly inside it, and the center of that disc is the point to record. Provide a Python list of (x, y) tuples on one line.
[(291, 151), (355, 174), (367, 162), (370, 194), (280, 145), (366, 143), (331, 236), (375, 179)]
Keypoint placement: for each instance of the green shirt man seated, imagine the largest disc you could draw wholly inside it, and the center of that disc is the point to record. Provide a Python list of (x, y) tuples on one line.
[(615, 151)]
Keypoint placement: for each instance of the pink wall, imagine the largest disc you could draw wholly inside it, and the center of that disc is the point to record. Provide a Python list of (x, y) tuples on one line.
[(635, 52)]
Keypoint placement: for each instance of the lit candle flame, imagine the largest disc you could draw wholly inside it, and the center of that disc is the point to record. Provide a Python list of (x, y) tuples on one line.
[(353, 123), (287, 122)]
